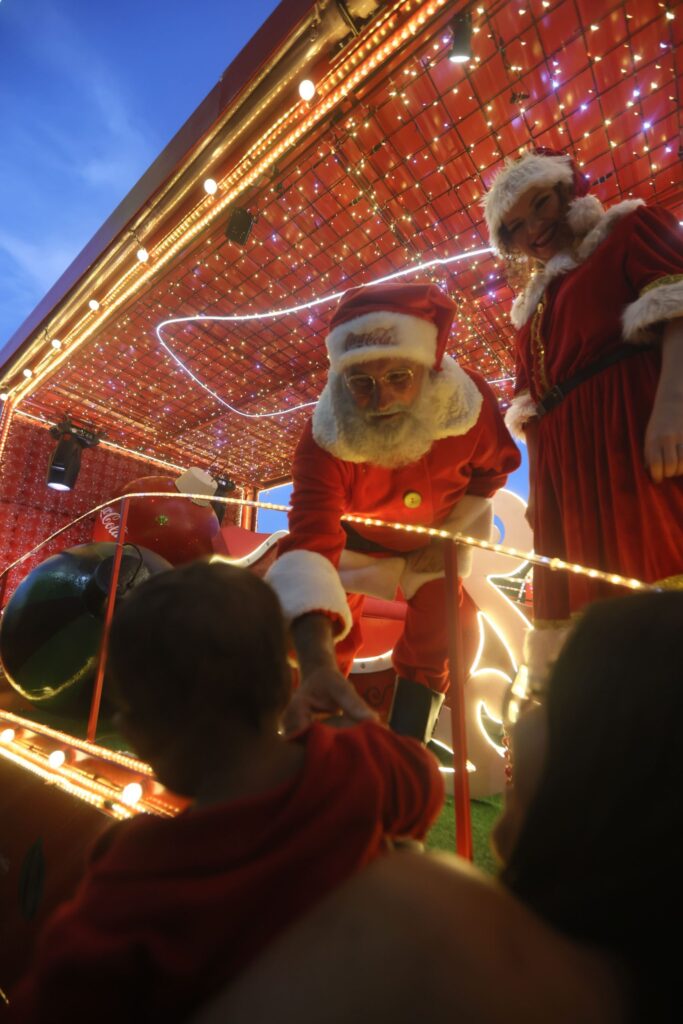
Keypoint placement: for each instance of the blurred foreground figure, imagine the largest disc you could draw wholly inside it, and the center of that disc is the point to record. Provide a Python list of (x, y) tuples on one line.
[(170, 909), (578, 929)]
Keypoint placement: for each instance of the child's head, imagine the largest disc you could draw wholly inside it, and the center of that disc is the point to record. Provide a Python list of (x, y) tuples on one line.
[(197, 658), (598, 850)]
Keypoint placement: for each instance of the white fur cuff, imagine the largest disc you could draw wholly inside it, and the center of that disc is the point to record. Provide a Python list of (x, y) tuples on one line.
[(522, 409), (660, 301), (306, 581)]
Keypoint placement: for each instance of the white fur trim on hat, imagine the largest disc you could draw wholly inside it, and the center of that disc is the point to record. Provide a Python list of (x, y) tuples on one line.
[(529, 171), (382, 335), (659, 301), (522, 409), (306, 581)]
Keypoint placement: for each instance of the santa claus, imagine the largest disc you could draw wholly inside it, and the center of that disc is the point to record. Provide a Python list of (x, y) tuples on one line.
[(401, 433)]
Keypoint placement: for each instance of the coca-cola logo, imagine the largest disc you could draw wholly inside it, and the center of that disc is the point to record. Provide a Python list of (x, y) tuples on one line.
[(110, 520)]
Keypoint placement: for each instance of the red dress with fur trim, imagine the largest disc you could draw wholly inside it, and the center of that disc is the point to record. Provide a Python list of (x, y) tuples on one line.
[(326, 487), (595, 502), (170, 910)]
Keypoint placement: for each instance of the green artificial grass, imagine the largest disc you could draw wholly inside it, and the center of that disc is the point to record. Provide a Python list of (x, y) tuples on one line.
[(484, 813)]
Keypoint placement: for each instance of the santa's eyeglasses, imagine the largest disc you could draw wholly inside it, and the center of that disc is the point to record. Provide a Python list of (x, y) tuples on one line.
[(362, 385)]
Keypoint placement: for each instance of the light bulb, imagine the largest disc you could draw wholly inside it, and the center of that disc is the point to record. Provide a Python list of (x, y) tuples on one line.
[(210, 186), (56, 759), (131, 793), (27, 373), (94, 304), (56, 343), (306, 89), (142, 254)]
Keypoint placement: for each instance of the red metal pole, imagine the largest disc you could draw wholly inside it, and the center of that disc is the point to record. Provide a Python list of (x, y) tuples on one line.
[(456, 696), (108, 615)]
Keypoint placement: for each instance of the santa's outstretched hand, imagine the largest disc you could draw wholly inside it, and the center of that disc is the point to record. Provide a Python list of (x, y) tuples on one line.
[(322, 693)]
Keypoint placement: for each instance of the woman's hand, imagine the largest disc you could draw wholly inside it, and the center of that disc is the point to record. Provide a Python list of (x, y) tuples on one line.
[(664, 439), (664, 434)]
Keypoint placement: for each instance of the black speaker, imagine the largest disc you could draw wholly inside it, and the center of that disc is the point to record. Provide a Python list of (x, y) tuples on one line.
[(239, 225)]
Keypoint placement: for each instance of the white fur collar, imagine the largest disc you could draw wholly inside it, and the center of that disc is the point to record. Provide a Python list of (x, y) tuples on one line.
[(456, 400), (526, 302)]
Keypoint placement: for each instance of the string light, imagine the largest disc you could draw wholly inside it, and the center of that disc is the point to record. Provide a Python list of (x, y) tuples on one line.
[(555, 564), (275, 314), (483, 337)]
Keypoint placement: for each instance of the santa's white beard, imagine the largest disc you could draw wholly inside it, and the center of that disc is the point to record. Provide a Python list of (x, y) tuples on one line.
[(389, 441)]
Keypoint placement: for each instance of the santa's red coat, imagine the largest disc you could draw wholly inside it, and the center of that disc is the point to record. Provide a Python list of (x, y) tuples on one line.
[(475, 462)]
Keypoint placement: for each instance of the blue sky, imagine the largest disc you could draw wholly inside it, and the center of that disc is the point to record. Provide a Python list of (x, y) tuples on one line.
[(90, 93)]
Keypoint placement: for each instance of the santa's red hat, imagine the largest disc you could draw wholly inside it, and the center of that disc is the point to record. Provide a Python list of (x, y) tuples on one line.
[(539, 168), (390, 321)]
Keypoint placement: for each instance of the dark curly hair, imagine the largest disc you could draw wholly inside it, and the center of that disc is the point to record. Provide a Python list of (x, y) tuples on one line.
[(598, 854), (196, 643)]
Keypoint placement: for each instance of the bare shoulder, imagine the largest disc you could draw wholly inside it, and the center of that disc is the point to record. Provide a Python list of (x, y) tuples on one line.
[(429, 938)]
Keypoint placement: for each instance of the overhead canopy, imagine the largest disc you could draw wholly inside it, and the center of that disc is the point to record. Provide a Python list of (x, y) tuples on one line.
[(382, 171)]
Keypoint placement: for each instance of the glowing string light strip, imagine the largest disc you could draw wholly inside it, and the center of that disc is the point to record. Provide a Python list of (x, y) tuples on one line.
[(273, 314), (104, 793), (84, 746), (82, 791), (555, 564)]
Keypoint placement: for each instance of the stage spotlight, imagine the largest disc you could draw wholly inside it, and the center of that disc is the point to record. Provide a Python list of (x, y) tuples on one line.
[(461, 41), (64, 465), (65, 461)]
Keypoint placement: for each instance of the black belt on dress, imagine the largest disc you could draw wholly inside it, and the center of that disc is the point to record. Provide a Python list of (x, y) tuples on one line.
[(552, 398)]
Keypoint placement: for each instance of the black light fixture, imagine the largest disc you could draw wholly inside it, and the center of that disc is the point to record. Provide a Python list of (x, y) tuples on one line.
[(461, 39), (239, 225), (65, 461)]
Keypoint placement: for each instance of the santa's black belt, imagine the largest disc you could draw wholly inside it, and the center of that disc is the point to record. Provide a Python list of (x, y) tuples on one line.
[(559, 392), (356, 542)]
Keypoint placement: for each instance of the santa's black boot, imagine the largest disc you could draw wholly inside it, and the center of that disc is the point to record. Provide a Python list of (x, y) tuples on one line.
[(414, 709)]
